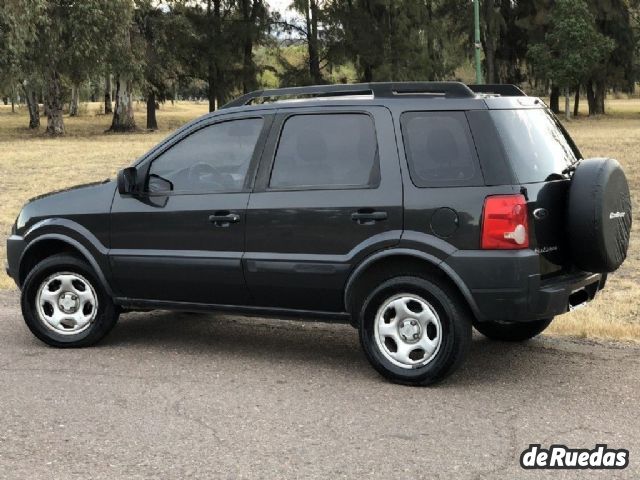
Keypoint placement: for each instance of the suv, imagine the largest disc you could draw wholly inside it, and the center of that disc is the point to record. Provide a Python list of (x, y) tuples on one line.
[(411, 210)]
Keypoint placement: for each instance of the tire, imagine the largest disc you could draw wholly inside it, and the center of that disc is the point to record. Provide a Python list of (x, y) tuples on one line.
[(65, 305), (442, 326), (512, 332), (599, 215)]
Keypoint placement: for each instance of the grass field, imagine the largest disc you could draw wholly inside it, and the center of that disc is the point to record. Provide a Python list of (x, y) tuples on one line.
[(31, 164)]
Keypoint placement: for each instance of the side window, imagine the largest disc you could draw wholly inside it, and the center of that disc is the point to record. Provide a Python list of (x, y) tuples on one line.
[(215, 158), (329, 151), (440, 149)]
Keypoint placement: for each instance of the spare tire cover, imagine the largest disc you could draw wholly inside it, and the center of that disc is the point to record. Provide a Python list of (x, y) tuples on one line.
[(599, 215)]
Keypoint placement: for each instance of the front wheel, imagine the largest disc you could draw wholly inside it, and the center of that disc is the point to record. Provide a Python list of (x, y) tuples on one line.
[(414, 331), (512, 332), (64, 303)]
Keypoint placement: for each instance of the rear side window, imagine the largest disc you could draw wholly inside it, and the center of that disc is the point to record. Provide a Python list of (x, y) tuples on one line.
[(537, 149), (440, 149), (326, 151)]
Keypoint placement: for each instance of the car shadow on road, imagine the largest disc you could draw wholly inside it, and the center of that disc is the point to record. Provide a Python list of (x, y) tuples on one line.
[(212, 335), (330, 346)]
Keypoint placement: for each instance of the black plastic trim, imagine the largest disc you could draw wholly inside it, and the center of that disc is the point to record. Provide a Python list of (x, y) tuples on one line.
[(306, 315)]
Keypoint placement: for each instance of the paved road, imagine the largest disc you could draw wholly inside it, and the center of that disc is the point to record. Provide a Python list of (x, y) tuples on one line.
[(186, 396)]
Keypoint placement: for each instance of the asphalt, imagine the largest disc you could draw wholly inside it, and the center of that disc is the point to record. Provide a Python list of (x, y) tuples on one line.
[(177, 396)]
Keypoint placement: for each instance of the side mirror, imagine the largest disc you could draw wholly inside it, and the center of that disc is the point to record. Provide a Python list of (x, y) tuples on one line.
[(127, 181)]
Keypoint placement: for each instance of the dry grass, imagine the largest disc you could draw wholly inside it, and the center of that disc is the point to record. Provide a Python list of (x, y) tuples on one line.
[(31, 163), (616, 311)]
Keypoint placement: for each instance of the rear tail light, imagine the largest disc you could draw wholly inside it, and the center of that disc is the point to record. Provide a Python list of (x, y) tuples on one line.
[(504, 223)]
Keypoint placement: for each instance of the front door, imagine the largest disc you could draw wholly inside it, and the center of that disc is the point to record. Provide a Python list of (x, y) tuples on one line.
[(328, 193), (182, 240)]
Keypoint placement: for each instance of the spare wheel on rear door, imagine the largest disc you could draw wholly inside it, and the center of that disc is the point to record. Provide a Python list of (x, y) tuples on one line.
[(599, 215)]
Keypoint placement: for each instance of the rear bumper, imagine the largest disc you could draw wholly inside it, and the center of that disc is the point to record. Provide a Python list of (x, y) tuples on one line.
[(506, 286)]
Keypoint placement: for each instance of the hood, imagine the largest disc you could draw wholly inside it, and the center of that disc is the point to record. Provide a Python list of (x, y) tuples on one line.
[(82, 200), (69, 189)]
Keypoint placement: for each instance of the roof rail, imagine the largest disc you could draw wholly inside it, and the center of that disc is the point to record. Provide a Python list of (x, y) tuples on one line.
[(384, 90), (502, 89)]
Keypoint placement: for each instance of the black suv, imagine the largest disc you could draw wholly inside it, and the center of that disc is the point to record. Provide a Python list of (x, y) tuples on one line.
[(411, 210)]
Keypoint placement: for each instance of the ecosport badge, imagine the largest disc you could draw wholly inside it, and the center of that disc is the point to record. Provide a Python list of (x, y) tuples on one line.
[(613, 215)]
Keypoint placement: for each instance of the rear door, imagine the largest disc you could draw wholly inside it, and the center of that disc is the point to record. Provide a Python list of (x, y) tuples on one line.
[(328, 193)]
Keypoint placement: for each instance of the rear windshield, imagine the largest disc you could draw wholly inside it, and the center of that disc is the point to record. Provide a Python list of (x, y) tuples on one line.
[(534, 144)]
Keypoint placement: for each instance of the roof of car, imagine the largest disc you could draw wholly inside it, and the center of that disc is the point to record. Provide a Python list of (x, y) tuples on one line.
[(401, 95)]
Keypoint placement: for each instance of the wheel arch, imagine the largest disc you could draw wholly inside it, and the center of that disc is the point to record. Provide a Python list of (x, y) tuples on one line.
[(396, 261), (52, 244)]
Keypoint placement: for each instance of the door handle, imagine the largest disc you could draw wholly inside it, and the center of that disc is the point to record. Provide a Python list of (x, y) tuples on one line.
[(368, 217), (224, 219)]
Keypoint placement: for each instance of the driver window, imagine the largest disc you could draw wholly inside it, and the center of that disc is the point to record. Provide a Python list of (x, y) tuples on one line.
[(213, 159)]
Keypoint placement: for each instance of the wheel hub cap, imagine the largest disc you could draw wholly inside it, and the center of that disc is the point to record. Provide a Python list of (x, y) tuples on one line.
[(68, 302), (410, 330)]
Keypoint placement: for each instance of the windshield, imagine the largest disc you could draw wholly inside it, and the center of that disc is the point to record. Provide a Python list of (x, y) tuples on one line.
[(535, 145)]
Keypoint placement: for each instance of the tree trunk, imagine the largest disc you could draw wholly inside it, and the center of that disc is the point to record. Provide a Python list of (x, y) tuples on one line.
[(576, 102), (213, 34), (152, 122), (600, 93), (367, 73), (248, 71), (73, 106), (55, 122), (33, 107), (108, 108), (490, 41), (123, 118), (554, 100), (567, 104), (42, 100), (13, 99), (5, 100), (591, 99), (211, 91), (312, 40)]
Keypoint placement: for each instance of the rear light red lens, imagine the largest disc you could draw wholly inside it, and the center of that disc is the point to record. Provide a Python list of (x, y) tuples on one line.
[(504, 223)]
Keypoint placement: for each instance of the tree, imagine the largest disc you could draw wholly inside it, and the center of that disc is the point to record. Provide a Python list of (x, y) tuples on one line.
[(253, 22), (65, 46), (573, 48), (157, 28), (123, 58), (612, 19), (401, 40), (18, 28)]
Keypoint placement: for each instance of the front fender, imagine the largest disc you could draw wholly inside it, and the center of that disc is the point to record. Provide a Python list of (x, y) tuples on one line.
[(71, 233)]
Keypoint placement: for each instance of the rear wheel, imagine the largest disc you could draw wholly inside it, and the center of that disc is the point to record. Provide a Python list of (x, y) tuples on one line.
[(65, 305), (512, 332), (414, 331)]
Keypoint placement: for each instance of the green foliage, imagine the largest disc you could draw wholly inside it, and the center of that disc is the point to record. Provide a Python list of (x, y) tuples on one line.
[(69, 35), (18, 29), (157, 32), (221, 48), (400, 40), (573, 48)]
